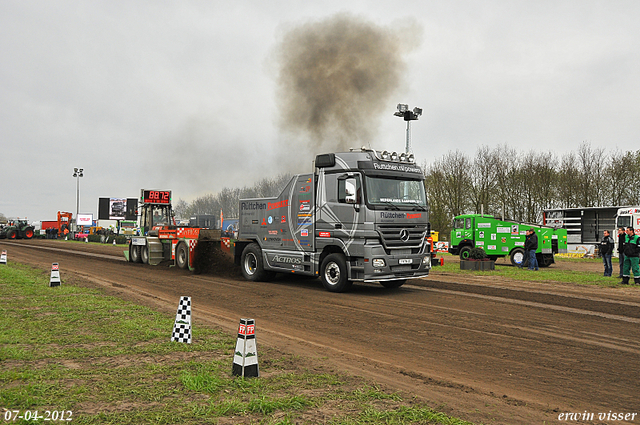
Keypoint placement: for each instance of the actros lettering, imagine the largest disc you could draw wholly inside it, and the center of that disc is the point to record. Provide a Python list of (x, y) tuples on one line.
[(287, 260)]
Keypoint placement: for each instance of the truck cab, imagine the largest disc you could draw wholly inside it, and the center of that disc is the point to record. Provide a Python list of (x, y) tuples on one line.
[(504, 238), (627, 217), (361, 216)]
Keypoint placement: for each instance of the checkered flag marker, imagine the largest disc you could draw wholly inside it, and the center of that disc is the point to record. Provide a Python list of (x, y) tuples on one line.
[(245, 357), (54, 280), (182, 325), (3, 257)]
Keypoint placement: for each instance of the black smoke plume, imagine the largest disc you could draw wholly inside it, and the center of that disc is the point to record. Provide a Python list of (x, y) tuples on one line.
[(336, 77)]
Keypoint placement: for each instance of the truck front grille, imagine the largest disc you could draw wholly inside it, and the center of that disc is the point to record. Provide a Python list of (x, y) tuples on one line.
[(398, 236)]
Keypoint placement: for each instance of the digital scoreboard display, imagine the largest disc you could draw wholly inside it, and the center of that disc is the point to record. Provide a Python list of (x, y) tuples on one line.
[(156, 197)]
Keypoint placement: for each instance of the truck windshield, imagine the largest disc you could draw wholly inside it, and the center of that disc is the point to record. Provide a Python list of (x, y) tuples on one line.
[(624, 221), (385, 191), (160, 216)]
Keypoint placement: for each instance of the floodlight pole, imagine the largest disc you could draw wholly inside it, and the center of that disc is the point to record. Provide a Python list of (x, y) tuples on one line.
[(77, 173), (408, 116), (407, 146)]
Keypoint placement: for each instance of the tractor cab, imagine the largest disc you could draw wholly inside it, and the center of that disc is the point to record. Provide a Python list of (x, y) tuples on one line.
[(153, 215)]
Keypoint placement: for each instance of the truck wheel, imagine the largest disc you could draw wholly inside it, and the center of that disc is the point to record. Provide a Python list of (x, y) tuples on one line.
[(11, 234), (144, 254), (334, 273), (464, 252), (517, 257), (545, 260), (134, 253), (393, 283), (28, 233), (252, 265), (182, 256)]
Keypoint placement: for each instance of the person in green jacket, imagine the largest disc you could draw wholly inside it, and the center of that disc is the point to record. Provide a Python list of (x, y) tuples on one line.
[(631, 257)]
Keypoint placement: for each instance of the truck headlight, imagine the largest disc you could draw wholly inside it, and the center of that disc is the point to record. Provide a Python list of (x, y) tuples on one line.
[(378, 262), (426, 260)]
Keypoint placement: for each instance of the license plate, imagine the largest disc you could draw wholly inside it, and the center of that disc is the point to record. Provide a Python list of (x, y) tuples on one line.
[(405, 261)]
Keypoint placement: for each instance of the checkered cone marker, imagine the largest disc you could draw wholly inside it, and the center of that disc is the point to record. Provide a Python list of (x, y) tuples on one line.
[(245, 358), (182, 325), (54, 280), (3, 257)]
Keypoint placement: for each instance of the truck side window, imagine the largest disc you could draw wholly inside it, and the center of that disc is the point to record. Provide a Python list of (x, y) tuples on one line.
[(468, 226), (349, 190)]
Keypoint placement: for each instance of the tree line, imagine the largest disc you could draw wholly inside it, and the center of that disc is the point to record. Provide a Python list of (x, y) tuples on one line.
[(228, 199), (495, 181), (521, 185)]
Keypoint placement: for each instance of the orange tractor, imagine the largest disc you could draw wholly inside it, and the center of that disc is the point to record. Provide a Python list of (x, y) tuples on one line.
[(64, 222)]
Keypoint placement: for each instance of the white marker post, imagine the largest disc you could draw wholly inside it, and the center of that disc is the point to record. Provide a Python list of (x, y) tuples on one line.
[(54, 280), (245, 357)]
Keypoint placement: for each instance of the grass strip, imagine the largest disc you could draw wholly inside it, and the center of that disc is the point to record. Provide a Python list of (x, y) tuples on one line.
[(72, 348), (545, 274)]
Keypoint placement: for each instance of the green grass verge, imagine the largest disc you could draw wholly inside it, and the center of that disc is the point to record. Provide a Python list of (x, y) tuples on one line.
[(545, 274), (72, 348)]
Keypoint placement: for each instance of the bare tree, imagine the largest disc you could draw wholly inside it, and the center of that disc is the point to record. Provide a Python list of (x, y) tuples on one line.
[(568, 182), (624, 184), (439, 214), (483, 180), (510, 185), (591, 164), (456, 169)]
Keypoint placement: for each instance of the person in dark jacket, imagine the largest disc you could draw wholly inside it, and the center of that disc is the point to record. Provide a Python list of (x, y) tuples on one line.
[(621, 236), (606, 249), (631, 257), (530, 247)]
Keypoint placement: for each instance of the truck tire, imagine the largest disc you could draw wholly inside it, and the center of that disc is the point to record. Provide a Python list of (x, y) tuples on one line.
[(182, 256), (134, 254), (545, 260), (390, 284), (464, 252), (333, 273), (252, 264), (11, 234), (144, 254), (517, 257)]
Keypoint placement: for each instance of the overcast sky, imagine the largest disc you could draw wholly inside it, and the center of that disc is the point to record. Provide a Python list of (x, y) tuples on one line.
[(188, 95)]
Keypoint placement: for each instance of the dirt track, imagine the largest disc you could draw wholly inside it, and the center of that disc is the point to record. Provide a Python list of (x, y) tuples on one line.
[(484, 349)]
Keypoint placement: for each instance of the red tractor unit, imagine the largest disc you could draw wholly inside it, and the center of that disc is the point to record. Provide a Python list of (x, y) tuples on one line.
[(163, 241)]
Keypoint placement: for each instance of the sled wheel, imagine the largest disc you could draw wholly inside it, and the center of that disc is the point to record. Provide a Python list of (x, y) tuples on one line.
[(182, 256)]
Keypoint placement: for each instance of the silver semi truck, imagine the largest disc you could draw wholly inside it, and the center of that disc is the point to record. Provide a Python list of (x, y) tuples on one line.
[(361, 216)]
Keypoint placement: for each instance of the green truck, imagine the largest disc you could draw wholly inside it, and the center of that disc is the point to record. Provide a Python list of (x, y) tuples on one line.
[(502, 238)]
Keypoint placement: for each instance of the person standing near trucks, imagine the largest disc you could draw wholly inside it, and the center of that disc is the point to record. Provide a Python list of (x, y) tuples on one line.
[(621, 236), (606, 249), (531, 246), (631, 254)]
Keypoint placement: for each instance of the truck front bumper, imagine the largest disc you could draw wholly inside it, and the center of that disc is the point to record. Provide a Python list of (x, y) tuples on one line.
[(379, 266)]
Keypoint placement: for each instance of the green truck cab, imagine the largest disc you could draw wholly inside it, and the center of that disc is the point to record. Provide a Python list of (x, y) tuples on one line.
[(501, 238)]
